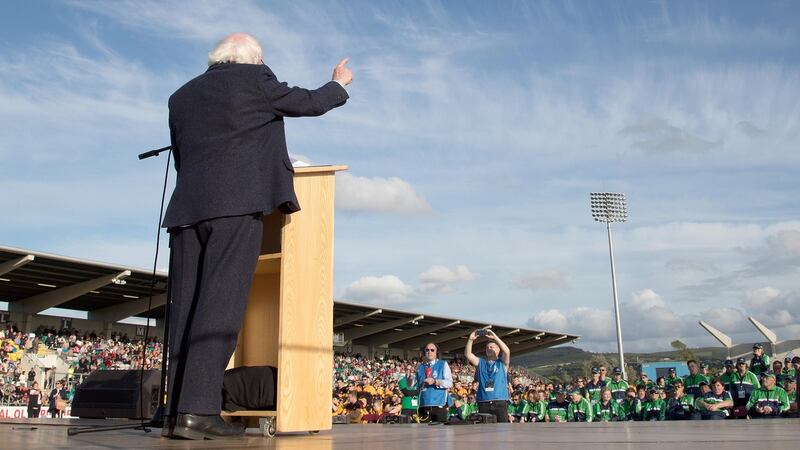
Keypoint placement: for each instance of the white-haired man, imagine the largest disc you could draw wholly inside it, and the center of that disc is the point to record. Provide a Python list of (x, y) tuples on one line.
[(491, 373), (227, 135)]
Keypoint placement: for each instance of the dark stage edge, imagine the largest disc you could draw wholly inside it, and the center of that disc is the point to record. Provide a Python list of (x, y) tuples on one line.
[(728, 435)]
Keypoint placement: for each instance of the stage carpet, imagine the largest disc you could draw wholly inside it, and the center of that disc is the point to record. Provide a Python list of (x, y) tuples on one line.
[(729, 435)]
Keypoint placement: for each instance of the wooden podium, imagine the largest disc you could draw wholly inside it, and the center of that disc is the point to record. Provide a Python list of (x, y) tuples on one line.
[(289, 319)]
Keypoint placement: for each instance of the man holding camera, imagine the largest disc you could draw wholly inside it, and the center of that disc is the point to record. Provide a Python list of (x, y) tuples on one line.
[(434, 379), (491, 373)]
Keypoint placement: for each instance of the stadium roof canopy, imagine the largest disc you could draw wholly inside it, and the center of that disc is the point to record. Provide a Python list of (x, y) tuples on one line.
[(33, 282)]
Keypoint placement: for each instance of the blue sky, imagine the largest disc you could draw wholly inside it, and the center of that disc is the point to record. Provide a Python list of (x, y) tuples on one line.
[(474, 134)]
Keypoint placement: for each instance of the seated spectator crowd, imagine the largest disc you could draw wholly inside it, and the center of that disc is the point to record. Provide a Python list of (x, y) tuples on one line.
[(372, 390), (82, 352)]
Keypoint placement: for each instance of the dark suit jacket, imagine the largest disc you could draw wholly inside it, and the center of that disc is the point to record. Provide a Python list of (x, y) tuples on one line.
[(226, 128)]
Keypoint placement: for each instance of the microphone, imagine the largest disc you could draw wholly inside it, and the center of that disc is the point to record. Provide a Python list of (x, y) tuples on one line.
[(155, 152)]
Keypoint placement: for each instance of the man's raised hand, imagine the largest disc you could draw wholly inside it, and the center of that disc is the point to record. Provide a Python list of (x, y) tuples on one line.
[(342, 74)]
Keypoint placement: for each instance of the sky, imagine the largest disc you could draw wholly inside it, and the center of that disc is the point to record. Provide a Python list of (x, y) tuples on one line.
[(474, 133)]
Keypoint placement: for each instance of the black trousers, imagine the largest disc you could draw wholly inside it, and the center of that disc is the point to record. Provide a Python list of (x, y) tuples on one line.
[(211, 270), (498, 408)]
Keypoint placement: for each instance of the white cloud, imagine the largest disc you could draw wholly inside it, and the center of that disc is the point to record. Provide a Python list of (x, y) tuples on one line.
[(546, 279), (772, 306), (392, 195), (441, 278), (656, 135), (386, 288)]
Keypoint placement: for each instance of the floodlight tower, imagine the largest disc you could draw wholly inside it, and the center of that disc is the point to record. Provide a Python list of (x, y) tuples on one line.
[(610, 207)]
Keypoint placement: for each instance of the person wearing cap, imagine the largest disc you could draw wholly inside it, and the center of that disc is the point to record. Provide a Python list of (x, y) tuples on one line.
[(407, 386), (768, 401), (788, 371), (631, 407), (777, 369), (644, 381), (715, 403), (742, 383), (654, 408), (759, 362), (538, 410), (517, 409), (791, 394), (704, 370), (680, 405), (617, 385), (594, 386), (606, 410), (491, 372), (692, 381), (557, 409), (672, 377), (579, 409), (730, 368)]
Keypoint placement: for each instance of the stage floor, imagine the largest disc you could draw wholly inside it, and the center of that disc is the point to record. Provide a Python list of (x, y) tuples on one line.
[(729, 435)]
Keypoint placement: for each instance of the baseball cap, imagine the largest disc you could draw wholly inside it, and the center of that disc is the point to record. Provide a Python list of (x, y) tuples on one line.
[(740, 361), (671, 369), (704, 365), (595, 370), (652, 390), (769, 374), (703, 383), (758, 345), (728, 362), (617, 370), (787, 359)]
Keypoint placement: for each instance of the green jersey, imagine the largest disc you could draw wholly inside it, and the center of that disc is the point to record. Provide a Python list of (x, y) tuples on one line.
[(537, 411), (741, 387), (520, 409), (630, 410), (671, 380), (556, 409), (410, 398), (654, 409), (618, 389), (759, 364), (580, 412), (726, 378), (593, 390), (775, 398), (692, 383), (606, 412), (679, 408), (463, 411), (710, 398)]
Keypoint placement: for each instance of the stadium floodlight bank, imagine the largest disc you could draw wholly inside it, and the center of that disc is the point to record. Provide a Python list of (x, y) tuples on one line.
[(608, 207)]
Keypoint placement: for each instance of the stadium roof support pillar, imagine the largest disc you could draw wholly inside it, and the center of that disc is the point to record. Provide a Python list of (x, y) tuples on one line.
[(50, 299), (8, 266), (354, 318), (116, 313), (361, 332), (391, 338)]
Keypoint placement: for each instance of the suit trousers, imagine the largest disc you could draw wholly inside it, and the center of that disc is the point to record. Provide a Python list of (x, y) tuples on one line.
[(210, 274)]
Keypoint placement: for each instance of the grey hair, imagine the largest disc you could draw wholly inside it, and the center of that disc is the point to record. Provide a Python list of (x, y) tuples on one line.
[(240, 48)]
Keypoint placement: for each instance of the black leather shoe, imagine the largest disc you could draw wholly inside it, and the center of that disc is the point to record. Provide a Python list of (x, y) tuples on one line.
[(191, 426), (168, 427)]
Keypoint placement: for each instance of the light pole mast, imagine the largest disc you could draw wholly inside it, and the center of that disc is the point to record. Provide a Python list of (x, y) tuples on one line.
[(610, 207)]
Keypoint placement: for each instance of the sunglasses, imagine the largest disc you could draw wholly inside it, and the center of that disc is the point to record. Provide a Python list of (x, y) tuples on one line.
[(430, 350)]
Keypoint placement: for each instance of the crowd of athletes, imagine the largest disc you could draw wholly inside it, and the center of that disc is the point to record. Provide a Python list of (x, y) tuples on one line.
[(368, 390)]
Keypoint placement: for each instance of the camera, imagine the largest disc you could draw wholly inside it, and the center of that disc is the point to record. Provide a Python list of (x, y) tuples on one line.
[(481, 332)]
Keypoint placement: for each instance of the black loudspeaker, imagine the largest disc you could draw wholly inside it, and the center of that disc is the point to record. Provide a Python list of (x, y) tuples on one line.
[(481, 418), (395, 419), (117, 394)]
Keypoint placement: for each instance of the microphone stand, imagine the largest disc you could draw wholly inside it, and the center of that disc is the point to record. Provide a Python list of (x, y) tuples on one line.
[(157, 421)]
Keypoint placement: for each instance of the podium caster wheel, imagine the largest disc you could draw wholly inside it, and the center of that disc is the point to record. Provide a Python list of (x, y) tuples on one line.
[(267, 426), (313, 432)]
